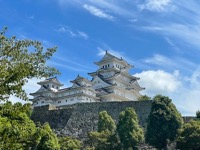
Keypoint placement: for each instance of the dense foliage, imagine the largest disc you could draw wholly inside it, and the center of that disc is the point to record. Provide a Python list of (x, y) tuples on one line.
[(106, 122), (68, 143), (198, 114), (21, 60), (163, 122), (45, 138), (19, 132), (129, 131), (105, 138), (144, 98), (16, 128), (189, 136), (127, 135)]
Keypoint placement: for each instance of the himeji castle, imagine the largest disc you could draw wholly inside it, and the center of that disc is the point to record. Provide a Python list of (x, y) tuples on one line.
[(111, 82)]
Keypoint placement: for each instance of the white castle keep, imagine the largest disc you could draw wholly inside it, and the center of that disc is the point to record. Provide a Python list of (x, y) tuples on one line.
[(111, 82)]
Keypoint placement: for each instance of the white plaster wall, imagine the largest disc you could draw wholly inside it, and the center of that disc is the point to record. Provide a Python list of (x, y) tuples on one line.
[(130, 96)]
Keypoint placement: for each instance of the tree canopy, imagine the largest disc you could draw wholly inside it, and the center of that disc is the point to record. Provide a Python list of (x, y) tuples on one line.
[(144, 98), (106, 122), (163, 122), (129, 130), (189, 136), (105, 138), (16, 128), (46, 139), (68, 143), (198, 114), (21, 60)]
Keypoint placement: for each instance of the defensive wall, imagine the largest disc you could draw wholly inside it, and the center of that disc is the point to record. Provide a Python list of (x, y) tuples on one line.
[(79, 119)]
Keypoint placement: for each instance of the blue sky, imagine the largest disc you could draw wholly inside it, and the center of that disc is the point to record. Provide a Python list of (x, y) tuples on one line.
[(161, 38)]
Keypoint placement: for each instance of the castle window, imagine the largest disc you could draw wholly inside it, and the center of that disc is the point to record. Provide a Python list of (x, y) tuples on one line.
[(52, 86), (66, 100), (42, 102), (59, 101), (108, 65)]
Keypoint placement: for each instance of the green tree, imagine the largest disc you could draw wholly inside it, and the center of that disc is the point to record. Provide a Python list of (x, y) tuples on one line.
[(144, 98), (129, 131), (106, 137), (163, 122), (189, 136), (106, 122), (45, 139), (16, 128), (67, 143), (198, 114), (21, 60)]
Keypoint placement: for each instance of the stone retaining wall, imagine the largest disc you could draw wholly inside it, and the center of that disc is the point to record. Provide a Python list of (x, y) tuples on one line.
[(79, 119)]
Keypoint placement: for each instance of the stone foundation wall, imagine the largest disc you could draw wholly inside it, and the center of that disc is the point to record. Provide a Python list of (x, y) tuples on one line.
[(79, 119)]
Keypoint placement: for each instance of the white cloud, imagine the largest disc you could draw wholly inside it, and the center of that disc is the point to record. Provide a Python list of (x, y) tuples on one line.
[(71, 62), (133, 20), (29, 87), (179, 20), (63, 29), (83, 35), (183, 90), (185, 32), (97, 12), (159, 82), (159, 60), (68, 31), (157, 5), (60, 64), (182, 25), (169, 63)]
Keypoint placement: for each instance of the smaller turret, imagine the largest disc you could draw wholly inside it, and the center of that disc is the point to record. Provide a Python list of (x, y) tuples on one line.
[(51, 83)]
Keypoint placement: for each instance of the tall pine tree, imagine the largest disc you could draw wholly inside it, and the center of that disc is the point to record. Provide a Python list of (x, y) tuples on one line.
[(129, 130), (163, 122)]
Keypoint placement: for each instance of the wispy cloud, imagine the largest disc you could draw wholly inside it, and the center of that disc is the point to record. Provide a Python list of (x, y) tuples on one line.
[(83, 35), (31, 17), (71, 62), (177, 20), (133, 20), (68, 31), (184, 32), (97, 12), (157, 5), (181, 25), (66, 66), (171, 63)]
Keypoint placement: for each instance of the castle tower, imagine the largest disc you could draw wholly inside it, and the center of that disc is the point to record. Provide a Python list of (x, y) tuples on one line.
[(47, 92), (113, 81)]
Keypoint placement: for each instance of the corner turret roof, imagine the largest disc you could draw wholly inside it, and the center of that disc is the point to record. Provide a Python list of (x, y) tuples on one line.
[(80, 78), (50, 80)]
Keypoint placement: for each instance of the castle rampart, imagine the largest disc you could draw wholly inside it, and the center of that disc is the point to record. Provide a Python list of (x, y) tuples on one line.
[(79, 119)]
